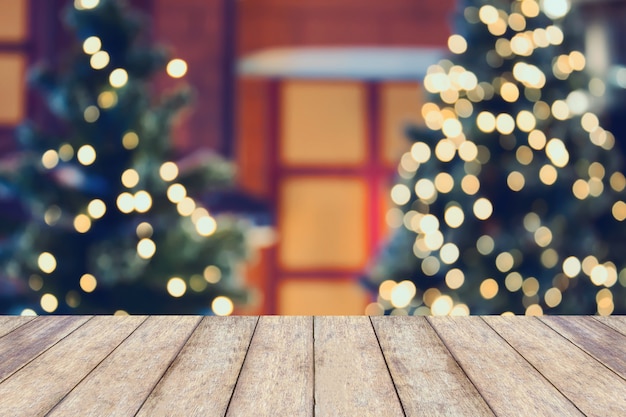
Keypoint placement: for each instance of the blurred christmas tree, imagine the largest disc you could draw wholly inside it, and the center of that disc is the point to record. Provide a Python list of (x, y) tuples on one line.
[(511, 199), (111, 223)]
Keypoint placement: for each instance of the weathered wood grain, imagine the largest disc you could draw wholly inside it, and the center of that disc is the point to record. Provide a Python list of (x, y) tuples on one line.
[(509, 384), (351, 377), (600, 341), (277, 375), (593, 388), (121, 383), (37, 387), (9, 323), (428, 379), (201, 379), (616, 322), (26, 342)]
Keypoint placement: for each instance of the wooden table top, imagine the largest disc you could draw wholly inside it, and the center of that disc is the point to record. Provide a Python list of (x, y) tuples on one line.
[(305, 366)]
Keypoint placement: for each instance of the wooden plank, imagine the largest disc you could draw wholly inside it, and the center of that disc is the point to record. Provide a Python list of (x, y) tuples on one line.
[(600, 341), (205, 372), (509, 384), (428, 379), (56, 371), (121, 383), (594, 389), (28, 341), (277, 374), (10, 323), (351, 377), (616, 322)]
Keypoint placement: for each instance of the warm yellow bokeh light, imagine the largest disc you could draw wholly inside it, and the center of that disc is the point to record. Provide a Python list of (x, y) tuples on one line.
[(176, 193), (425, 189), (186, 206), (455, 278), (91, 45), (530, 286), (86, 155), (146, 248), (556, 151), (49, 303), (509, 92), (88, 283), (142, 201), (130, 140), (571, 266), (118, 78), (99, 60), (212, 274), (176, 68), (400, 194), (513, 281), (91, 114), (168, 171), (454, 216), (82, 223), (457, 44), (482, 208), (619, 211), (420, 152), (470, 184), (489, 288), (130, 178), (516, 181), (485, 244), (445, 150), (222, 306), (144, 230), (125, 202), (444, 182), (176, 287), (486, 122), (107, 99), (50, 159), (504, 261), (442, 305), (206, 226), (488, 14), (548, 174), (47, 262)]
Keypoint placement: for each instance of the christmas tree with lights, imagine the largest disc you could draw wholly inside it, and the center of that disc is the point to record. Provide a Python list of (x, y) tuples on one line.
[(511, 199), (113, 220)]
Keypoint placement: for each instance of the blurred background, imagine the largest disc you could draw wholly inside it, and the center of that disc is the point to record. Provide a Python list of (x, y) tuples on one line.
[(309, 99)]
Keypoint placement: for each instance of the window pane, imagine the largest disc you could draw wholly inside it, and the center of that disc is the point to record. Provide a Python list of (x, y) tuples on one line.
[(323, 297), (12, 88), (323, 123), (13, 20), (322, 223), (400, 106)]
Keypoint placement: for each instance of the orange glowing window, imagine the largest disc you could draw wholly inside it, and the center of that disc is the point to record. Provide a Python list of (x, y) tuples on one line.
[(13, 20), (12, 88), (321, 297), (322, 223), (322, 123), (400, 106)]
